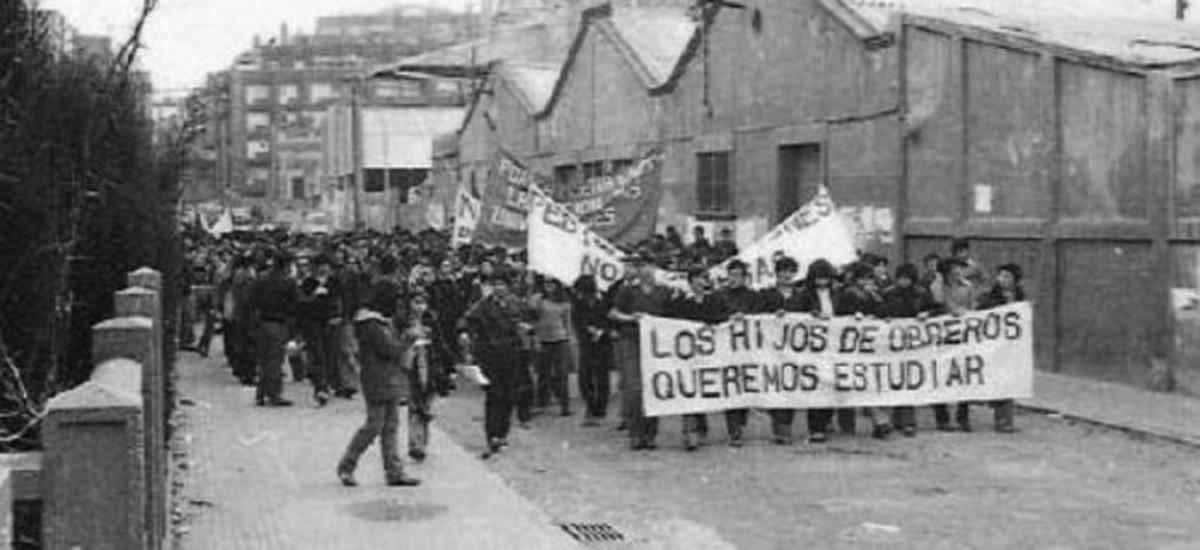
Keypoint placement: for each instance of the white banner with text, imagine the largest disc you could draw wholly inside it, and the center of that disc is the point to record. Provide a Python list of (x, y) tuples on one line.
[(797, 361)]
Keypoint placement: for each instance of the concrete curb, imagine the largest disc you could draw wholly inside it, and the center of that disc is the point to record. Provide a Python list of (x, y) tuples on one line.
[(1119, 425)]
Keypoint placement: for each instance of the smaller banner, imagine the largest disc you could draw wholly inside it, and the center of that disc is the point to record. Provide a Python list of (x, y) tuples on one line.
[(466, 218), (812, 232), (507, 198), (796, 361), (562, 247)]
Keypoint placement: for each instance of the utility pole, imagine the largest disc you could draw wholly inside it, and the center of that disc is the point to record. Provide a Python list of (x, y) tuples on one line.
[(356, 147)]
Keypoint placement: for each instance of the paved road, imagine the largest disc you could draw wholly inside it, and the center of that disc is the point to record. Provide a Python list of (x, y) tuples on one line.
[(1056, 484)]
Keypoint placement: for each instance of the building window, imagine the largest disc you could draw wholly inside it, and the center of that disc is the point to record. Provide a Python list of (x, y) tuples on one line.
[(322, 91), (566, 179), (620, 165), (257, 148), (298, 188), (289, 94), (257, 121), (592, 170), (373, 180), (712, 183), (257, 94)]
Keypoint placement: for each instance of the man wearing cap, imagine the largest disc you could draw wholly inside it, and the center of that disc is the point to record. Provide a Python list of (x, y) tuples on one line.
[(630, 304), (492, 327)]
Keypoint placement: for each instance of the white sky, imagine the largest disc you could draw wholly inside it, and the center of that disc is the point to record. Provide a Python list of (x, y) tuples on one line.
[(186, 39)]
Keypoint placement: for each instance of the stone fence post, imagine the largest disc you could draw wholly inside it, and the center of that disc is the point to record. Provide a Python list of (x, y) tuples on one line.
[(93, 471), (143, 303)]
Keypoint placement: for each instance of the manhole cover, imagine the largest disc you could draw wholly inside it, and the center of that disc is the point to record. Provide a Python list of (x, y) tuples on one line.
[(593, 533), (395, 510)]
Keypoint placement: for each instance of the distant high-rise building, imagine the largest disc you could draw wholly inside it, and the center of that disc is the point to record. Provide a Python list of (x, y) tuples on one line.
[(280, 88)]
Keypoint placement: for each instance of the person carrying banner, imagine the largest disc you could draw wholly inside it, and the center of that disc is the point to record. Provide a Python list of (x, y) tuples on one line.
[(955, 295), (493, 328), (630, 276), (630, 303), (906, 300), (861, 298), (819, 298), (590, 319), (782, 298), (1006, 290), (697, 304), (738, 299)]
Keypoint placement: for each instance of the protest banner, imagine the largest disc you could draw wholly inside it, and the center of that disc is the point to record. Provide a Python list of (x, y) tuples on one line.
[(466, 218), (563, 247), (621, 205), (812, 232), (797, 361)]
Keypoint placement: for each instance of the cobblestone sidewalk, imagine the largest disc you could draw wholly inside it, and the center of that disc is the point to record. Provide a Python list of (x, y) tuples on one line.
[(258, 478)]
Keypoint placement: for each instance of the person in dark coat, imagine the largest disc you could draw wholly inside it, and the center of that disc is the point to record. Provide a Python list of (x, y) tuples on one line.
[(862, 300), (595, 348), (319, 318), (907, 299), (273, 310), (819, 298), (783, 297), (737, 298), (492, 329), (1006, 290), (630, 304), (385, 384), (698, 304)]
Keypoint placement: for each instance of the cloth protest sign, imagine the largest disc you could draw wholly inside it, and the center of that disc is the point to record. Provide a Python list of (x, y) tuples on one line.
[(797, 361), (466, 218), (812, 232), (561, 246), (619, 204)]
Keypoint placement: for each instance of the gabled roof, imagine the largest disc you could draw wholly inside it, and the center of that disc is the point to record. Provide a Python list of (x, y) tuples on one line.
[(1096, 27), (656, 38), (533, 82), (537, 42), (655, 42)]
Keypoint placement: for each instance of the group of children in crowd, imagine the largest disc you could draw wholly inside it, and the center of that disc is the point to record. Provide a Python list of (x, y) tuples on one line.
[(402, 310)]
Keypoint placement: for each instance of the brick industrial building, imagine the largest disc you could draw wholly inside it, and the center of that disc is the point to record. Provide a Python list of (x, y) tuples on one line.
[(1061, 140)]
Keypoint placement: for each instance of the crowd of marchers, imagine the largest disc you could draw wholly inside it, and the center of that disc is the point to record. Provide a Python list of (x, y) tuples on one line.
[(392, 317)]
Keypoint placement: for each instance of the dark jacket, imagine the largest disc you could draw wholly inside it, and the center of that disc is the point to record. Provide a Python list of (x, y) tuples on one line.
[(739, 300), (906, 303), (996, 298), (317, 309), (709, 309), (493, 325), (590, 312), (771, 300), (381, 354), (854, 300)]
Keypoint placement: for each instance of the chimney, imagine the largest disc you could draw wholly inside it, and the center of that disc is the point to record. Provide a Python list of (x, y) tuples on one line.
[(283, 34)]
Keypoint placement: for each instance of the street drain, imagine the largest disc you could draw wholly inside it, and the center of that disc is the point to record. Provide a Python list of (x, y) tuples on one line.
[(593, 533)]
